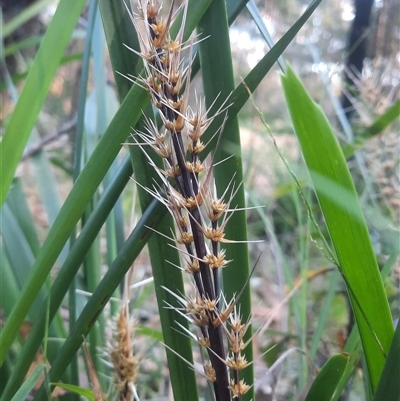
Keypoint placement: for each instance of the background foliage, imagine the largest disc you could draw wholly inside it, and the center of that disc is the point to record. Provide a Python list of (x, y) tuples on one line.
[(73, 223)]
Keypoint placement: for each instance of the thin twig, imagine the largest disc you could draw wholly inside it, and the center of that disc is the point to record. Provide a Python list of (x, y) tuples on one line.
[(65, 128)]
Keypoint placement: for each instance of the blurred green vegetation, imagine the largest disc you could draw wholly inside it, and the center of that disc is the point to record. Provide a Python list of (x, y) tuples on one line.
[(72, 214)]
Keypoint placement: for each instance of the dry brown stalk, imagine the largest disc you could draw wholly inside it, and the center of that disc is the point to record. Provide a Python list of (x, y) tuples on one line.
[(122, 355), (125, 363)]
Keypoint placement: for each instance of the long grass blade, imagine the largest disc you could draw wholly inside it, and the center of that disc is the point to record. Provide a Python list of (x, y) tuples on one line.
[(88, 181), (23, 17), (100, 297), (18, 203), (67, 274), (325, 383), (94, 171), (117, 24), (353, 343), (378, 126), (345, 221), (9, 292), (26, 388), (35, 90), (256, 15), (219, 82), (388, 386), (241, 94)]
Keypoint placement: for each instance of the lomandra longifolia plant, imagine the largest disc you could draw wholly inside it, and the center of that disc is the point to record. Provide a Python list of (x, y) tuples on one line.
[(187, 190)]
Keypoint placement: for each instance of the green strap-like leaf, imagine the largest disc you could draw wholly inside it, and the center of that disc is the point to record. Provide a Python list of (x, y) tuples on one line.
[(104, 291), (119, 30), (66, 275), (18, 203), (325, 383), (353, 343), (35, 90), (84, 392), (23, 17), (72, 210), (28, 385), (241, 94), (218, 80), (345, 221), (378, 126), (389, 386), (97, 166)]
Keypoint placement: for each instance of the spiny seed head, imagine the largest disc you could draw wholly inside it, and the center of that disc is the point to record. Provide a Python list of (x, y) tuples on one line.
[(165, 60), (179, 123), (174, 89), (195, 168), (190, 203), (159, 30), (237, 327), (152, 9), (210, 372), (160, 138), (215, 262), (216, 209), (176, 125), (182, 222), (223, 316), (237, 331), (172, 172), (214, 234), (199, 320), (176, 105), (173, 46), (237, 362), (236, 345), (153, 83), (238, 389), (196, 127), (175, 200), (185, 238), (196, 148), (170, 126), (193, 266), (210, 304), (167, 74), (124, 362), (204, 341), (197, 312), (164, 151), (175, 77)]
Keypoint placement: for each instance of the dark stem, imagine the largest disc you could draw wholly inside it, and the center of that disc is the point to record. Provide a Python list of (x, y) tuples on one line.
[(221, 385)]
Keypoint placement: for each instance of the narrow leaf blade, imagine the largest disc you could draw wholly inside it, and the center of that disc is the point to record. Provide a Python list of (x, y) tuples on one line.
[(324, 385), (388, 387), (28, 385), (35, 90), (345, 221)]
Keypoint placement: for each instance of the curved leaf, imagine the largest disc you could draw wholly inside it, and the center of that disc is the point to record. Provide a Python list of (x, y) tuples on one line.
[(325, 383), (388, 386), (104, 291), (218, 84), (35, 90), (28, 385), (345, 221)]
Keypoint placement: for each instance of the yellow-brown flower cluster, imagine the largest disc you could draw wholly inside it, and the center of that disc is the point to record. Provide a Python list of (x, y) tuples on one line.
[(188, 193)]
